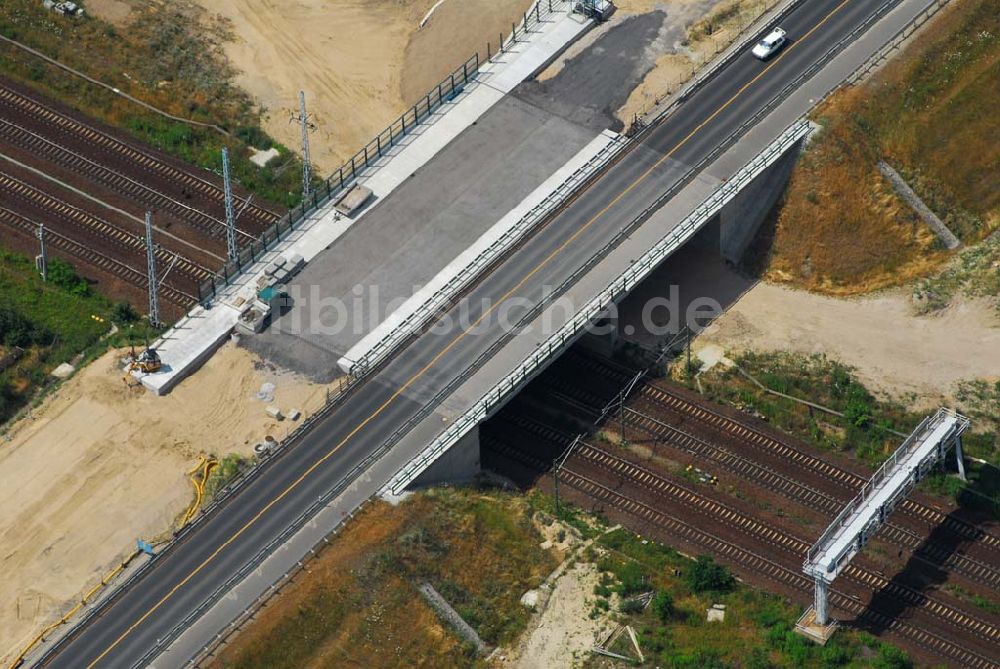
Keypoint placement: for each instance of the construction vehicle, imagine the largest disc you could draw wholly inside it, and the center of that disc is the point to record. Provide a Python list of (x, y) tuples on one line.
[(146, 362)]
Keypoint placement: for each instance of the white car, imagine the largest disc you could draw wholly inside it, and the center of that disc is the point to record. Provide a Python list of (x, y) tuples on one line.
[(770, 45)]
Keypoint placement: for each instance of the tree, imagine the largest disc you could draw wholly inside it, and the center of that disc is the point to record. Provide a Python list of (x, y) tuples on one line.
[(705, 575)]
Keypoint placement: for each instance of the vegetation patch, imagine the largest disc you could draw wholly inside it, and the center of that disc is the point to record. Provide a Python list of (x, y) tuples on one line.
[(44, 324), (930, 114), (168, 55), (869, 428), (758, 629), (358, 605)]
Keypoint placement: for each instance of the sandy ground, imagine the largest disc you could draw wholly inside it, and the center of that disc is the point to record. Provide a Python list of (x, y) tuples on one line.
[(360, 62), (565, 632), (893, 350), (98, 466)]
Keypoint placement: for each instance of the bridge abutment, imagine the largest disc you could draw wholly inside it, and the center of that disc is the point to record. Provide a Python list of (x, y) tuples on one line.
[(738, 222), (459, 464)]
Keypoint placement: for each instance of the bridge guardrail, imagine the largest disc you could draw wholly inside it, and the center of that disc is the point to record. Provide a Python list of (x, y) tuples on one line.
[(285, 445), (441, 299), (454, 383), (617, 287)]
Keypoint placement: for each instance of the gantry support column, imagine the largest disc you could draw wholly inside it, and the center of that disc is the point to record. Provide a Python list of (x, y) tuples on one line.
[(820, 605)]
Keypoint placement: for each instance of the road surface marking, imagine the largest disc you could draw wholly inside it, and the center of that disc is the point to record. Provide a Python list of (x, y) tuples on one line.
[(460, 337)]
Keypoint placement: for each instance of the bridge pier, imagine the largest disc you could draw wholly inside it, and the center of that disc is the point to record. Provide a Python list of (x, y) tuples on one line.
[(459, 464)]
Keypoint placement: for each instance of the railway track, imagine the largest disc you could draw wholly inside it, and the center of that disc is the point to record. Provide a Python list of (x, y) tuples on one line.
[(934, 554), (112, 266), (776, 448), (749, 561), (651, 482), (102, 142), (718, 512), (133, 190), (130, 242)]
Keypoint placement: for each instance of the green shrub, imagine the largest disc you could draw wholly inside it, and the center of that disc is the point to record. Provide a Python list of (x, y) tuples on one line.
[(62, 274), (705, 575), (663, 605), (631, 606)]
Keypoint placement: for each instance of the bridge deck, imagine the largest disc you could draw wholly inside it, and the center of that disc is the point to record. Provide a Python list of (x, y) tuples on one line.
[(866, 512)]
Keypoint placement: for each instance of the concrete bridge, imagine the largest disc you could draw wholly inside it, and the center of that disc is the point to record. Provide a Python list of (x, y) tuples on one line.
[(706, 168)]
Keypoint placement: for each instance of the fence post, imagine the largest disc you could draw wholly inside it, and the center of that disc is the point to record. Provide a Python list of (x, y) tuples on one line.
[(452, 78), (513, 31), (366, 155), (465, 72), (489, 51), (439, 94), (538, 13), (501, 43), (378, 142)]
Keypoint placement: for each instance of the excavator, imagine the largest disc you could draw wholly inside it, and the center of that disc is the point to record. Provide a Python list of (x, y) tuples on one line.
[(146, 362)]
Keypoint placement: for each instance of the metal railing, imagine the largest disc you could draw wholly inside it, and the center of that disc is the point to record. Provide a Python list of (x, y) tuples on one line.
[(347, 174), (283, 226), (437, 303), (888, 468), (616, 288)]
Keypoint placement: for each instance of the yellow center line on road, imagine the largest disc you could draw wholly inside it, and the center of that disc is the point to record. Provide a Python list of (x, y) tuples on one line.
[(360, 426)]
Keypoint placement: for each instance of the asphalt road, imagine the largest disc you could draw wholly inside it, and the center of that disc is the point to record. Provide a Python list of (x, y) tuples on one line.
[(182, 578)]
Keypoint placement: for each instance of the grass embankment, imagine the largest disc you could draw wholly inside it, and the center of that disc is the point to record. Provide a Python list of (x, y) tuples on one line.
[(168, 55), (865, 429), (931, 114), (358, 605), (52, 322), (673, 631)]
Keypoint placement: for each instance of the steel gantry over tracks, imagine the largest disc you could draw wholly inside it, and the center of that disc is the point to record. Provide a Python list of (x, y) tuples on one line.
[(867, 512)]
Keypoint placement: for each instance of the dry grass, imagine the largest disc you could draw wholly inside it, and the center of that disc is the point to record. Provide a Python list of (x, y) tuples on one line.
[(931, 114), (358, 605)]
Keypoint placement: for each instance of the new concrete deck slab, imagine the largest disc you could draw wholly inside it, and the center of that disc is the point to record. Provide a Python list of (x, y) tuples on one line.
[(186, 346), (406, 239), (411, 237)]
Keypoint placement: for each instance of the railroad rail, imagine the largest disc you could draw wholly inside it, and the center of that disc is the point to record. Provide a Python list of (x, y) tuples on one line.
[(934, 554), (132, 189), (655, 484), (777, 448), (81, 219), (744, 559), (101, 141), (87, 254)]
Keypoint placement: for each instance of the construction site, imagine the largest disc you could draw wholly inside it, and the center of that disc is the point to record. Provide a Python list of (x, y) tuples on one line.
[(838, 457)]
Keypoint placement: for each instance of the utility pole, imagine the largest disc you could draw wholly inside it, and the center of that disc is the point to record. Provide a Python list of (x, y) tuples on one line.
[(306, 170), (230, 216), (42, 261), (557, 465), (154, 302), (621, 415)]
